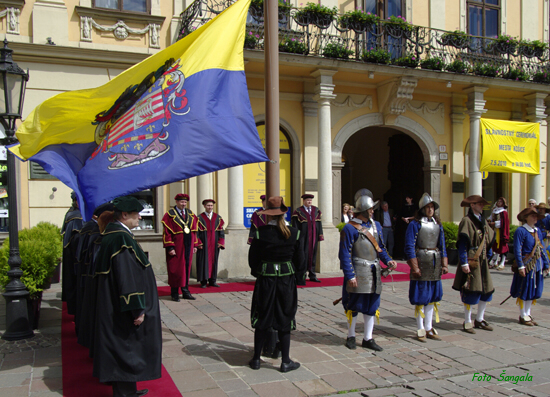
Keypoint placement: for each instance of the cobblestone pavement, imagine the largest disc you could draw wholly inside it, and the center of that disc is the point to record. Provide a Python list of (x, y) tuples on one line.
[(208, 343)]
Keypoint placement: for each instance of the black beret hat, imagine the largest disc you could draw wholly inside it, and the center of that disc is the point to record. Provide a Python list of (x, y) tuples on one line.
[(127, 204), (104, 207)]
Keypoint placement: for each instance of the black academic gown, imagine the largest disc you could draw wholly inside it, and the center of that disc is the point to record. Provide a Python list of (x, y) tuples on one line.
[(126, 286), (311, 232), (71, 226), (85, 315)]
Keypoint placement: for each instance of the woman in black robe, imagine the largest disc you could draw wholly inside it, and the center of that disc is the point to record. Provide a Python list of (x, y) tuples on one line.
[(276, 262)]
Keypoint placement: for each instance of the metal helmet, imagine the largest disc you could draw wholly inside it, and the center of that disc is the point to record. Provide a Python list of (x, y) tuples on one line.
[(362, 192), (364, 203), (425, 200)]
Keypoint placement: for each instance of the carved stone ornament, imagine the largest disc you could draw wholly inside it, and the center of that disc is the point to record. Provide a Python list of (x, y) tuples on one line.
[(351, 103), (424, 108), (401, 95), (120, 30), (12, 19)]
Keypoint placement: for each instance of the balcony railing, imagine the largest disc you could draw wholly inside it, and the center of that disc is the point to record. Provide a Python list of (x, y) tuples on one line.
[(384, 42)]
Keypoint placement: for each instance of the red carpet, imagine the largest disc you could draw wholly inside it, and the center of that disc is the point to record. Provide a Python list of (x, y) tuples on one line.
[(77, 369), (400, 274)]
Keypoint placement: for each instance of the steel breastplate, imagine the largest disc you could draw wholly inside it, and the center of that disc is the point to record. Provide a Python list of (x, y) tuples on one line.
[(363, 248), (427, 253), (367, 274)]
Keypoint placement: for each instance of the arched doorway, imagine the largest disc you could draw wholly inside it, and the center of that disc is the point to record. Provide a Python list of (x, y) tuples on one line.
[(390, 164)]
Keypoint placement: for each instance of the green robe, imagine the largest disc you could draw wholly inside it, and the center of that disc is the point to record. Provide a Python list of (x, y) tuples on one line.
[(126, 287)]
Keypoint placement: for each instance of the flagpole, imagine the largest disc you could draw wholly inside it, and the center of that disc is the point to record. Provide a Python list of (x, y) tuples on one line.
[(271, 49)]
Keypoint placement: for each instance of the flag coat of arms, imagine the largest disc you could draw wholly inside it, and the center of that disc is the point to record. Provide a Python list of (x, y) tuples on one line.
[(180, 113)]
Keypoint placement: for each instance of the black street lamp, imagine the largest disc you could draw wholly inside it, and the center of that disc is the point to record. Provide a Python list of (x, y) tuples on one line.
[(13, 81)]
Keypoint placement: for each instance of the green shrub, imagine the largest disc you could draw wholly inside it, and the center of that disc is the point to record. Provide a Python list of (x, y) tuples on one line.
[(542, 77), (409, 61), (450, 230), (40, 249), (251, 39), (458, 66), (376, 56), (516, 74), (293, 45), (333, 50), (358, 19), (433, 63), (487, 70)]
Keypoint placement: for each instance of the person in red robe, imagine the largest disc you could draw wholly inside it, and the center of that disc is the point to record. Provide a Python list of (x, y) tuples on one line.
[(180, 241), (307, 219), (210, 233), (501, 223), (257, 220)]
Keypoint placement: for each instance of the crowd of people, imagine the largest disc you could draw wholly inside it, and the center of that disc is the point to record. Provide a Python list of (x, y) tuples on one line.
[(110, 288)]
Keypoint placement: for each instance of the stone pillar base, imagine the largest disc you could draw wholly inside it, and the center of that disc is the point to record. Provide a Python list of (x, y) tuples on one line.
[(233, 261), (327, 261)]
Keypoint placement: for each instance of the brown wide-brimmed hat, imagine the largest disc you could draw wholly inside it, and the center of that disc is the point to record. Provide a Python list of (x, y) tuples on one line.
[(274, 206), (504, 201), (476, 198), (542, 206), (522, 216)]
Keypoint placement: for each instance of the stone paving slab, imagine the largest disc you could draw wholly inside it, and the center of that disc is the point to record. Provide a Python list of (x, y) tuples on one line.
[(208, 343)]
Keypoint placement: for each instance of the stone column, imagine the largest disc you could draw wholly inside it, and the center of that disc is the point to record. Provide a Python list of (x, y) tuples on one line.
[(475, 106), (432, 181), (328, 260), (324, 95), (311, 143), (337, 192), (535, 114), (204, 190), (236, 199), (457, 153)]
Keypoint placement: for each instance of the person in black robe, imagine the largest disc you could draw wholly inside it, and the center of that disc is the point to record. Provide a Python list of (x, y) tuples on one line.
[(405, 216), (128, 336), (307, 219), (277, 263), (90, 234), (70, 228)]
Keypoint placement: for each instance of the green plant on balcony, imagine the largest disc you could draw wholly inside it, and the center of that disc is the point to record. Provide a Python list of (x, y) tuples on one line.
[(530, 48), (293, 45), (504, 44), (457, 39), (251, 40), (458, 66), (517, 74), (283, 5), (433, 63), (542, 76), (379, 55), (487, 70), (316, 14), (336, 50), (358, 20), (397, 25), (410, 61)]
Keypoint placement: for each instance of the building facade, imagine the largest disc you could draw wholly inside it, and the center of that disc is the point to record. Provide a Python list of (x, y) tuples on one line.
[(392, 104)]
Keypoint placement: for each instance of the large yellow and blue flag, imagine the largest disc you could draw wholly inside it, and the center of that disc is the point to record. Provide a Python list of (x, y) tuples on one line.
[(180, 113)]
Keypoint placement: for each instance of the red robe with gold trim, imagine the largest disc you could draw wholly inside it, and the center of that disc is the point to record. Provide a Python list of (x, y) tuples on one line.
[(212, 237), (311, 232), (174, 236)]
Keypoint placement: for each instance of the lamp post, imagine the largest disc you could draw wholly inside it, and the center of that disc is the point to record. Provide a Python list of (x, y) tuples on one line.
[(12, 93)]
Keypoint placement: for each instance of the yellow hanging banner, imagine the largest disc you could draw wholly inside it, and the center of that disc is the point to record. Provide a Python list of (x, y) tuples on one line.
[(510, 146)]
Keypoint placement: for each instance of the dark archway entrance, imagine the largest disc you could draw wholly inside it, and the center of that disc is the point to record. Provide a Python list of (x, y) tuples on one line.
[(389, 163)]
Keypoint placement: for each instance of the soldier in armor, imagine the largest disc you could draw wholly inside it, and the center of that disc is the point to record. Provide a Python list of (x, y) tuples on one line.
[(501, 223), (473, 279), (427, 258), (361, 249)]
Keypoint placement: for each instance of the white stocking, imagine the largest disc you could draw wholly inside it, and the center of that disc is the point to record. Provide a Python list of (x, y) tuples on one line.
[(522, 309), (419, 322), (527, 306), (369, 326), (502, 260), (429, 313), (467, 314), (351, 329), (481, 310)]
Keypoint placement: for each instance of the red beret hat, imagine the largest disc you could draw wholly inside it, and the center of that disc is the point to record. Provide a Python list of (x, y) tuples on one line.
[(208, 201), (181, 196), (307, 196)]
